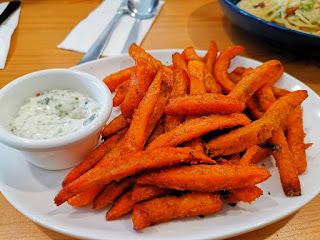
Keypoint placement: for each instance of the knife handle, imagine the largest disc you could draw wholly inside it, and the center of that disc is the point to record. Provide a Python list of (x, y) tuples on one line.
[(12, 6)]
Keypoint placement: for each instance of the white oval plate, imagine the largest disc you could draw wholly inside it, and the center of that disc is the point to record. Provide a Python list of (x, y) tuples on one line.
[(31, 190)]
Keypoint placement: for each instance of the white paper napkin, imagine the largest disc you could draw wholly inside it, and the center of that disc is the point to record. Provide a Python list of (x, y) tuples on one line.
[(6, 30), (82, 37)]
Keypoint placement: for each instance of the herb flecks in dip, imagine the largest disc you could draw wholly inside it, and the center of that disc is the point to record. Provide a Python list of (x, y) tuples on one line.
[(54, 113)]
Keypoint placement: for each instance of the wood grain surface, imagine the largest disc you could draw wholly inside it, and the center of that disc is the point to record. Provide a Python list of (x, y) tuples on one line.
[(45, 23)]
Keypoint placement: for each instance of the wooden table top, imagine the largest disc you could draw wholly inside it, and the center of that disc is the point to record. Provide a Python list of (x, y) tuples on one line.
[(44, 24)]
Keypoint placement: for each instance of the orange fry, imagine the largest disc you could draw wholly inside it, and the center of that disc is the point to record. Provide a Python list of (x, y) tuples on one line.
[(137, 53), (222, 64), (266, 97), (139, 83), (247, 158), (248, 194), (114, 126), (143, 192), (189, 54), (157, 131), (136, 135), (258, 131), (267, 73), (206, 178), (287, 169), (116, 169), (179, 62), (168, 208), (85, 198), (262, 154), (196, 75), (279, 92), (94, 157), (111, 192), (121, 92), (210, 83), (210, 57), (203, 104), (197, 127), (254, 108), (295, 137), (115, 79)]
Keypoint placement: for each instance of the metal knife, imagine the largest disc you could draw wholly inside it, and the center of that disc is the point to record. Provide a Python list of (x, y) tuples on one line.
[(12, 6)]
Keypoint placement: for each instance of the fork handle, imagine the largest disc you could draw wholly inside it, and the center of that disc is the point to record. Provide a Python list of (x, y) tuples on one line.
[(97, 48)]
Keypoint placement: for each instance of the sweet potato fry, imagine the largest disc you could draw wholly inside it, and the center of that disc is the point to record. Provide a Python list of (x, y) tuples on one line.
[(179, 62), (118, 168), (235, 78), (139, 83), (168, 208), (210, 57), (196, 75), (267, 73), (87, 197), (136, 136), (126, 202), (197, 127), (114, 126), (144, 192), (261, 154), (266, 97), (210, 83), (251, 152), (196, 144), (94, 157), (111, 192), (254, 108), (206, 178), (115, 79), (287, 169), (137, 53), (121, 92), (258, 131), (203, 104), (189, 54), (158, 130), (279, 92), (248, 194), (295, 137), (239, 71), (222, 64)]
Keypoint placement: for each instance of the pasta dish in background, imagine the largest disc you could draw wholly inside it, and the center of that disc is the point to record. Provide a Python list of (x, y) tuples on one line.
[(299, 15)]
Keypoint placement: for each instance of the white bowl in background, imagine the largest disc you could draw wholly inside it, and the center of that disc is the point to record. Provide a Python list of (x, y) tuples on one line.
[(60, 152)]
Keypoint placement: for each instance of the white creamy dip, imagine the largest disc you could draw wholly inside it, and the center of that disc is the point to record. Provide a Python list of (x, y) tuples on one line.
[(54, 113)]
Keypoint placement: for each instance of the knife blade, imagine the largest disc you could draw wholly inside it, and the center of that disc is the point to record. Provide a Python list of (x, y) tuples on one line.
[(12, 6)]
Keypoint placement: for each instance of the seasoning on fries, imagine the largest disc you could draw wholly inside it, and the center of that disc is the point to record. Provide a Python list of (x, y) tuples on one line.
[(153, 159)]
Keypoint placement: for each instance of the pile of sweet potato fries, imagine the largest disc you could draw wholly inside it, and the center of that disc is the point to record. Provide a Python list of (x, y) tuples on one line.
[(188, 138)]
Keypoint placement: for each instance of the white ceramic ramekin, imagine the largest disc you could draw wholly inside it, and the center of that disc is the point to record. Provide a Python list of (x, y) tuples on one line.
[(61, 152)]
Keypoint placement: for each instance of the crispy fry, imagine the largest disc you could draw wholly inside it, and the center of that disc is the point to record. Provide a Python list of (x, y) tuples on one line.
[(158, 130), (126, 202), (247, 158), (279, 92), (121, 92), (94, 157), (115, 79), (197, 127), (179, 62), (136, 135), (206, 178), (85, 198), (196, 144), (203, 104), (168, 208), (196, 75), (137, 53), (144, 192), (114, 126), (248, 194), (129, 165), (254, 108), (210, 83), (139, 83), (258, 131), (222, 64), (267, 73), (239, 71), (295, 137), (266, 97), (261, 154), (287, 170), (111, 192), (189, 54), (210, 57)]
